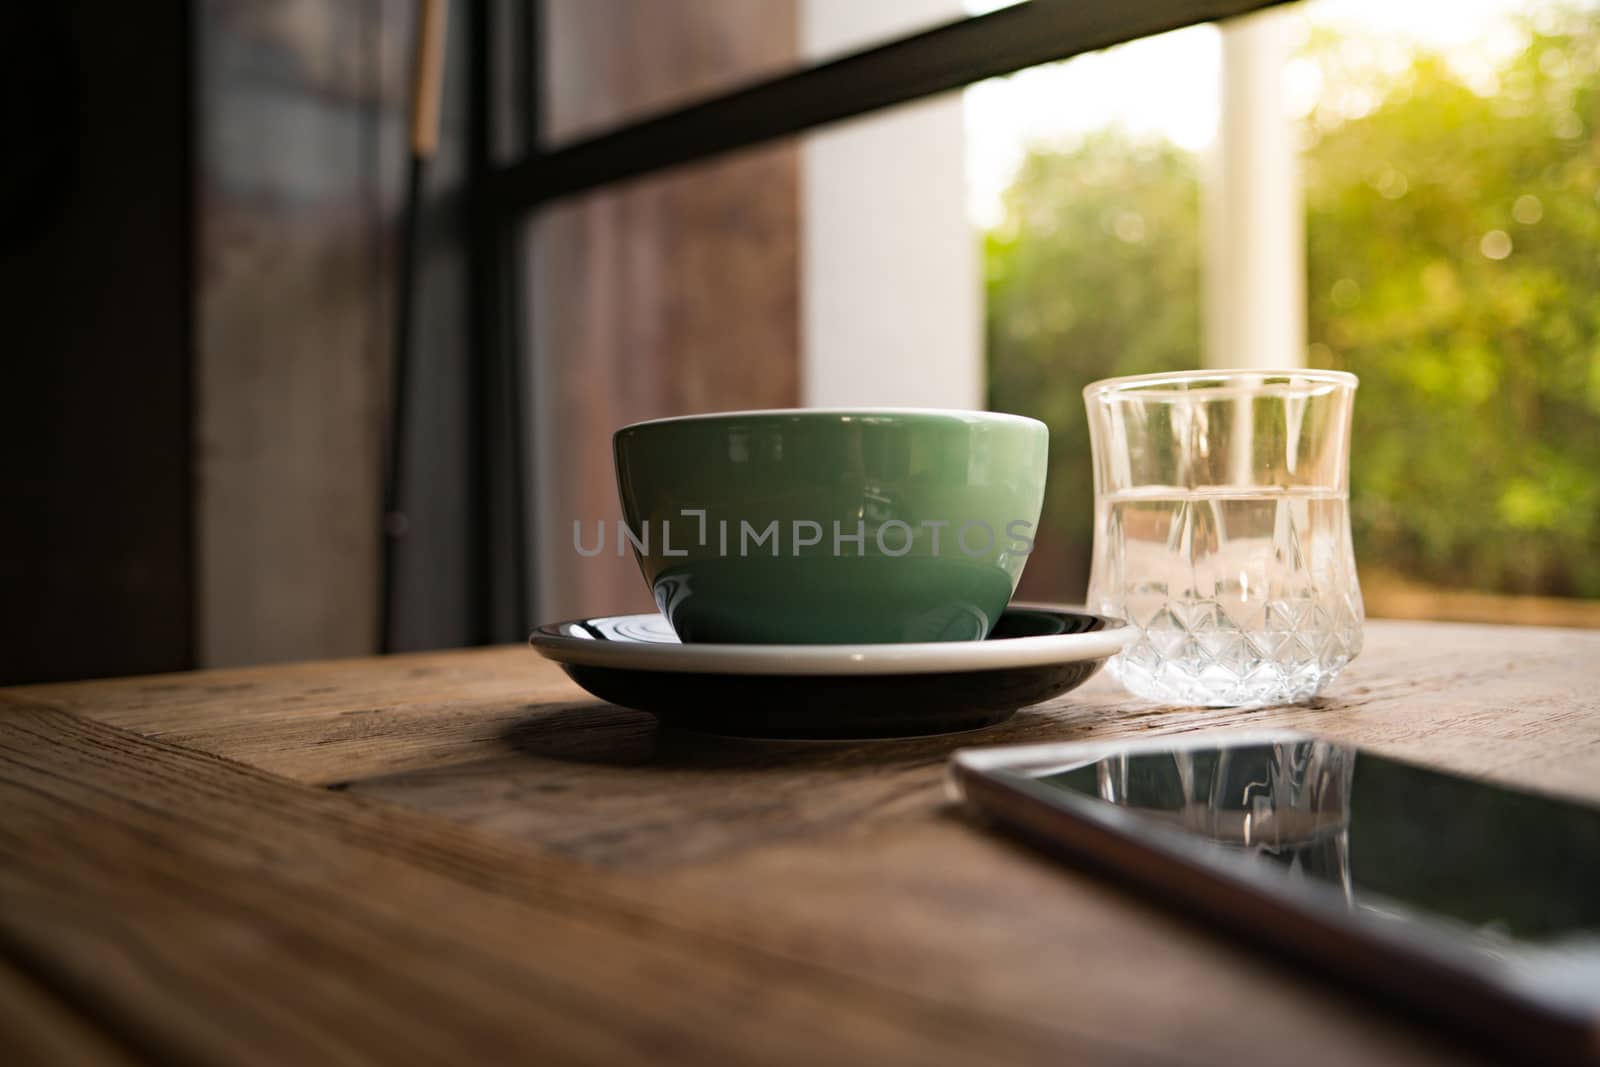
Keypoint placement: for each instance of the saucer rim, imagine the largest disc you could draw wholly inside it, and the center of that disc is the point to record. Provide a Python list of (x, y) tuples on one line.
[(921, 657)]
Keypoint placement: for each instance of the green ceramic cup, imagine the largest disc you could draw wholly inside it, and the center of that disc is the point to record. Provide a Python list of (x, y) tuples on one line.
[(832, 526)]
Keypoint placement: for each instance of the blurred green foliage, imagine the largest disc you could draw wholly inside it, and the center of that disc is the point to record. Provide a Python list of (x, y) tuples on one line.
[(1094, 272), (1453, 247)]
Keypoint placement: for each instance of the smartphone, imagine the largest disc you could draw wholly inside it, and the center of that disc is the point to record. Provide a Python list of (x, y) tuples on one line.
[(1476, 903)]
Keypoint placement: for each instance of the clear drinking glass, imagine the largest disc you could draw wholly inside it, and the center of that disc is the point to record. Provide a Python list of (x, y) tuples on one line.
[(1222, 532)]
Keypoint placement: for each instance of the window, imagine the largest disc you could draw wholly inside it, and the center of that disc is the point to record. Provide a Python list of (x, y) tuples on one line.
[(1340, 182), (580, 173), (1443, 192)]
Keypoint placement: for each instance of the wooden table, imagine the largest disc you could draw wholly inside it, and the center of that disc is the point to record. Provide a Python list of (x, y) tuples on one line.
[(460, 855)]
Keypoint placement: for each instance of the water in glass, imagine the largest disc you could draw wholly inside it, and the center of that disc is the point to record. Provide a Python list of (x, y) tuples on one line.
[(1242, 593)]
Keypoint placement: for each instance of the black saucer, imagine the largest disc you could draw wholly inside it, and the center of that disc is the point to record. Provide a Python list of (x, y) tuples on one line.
[(861, 700)]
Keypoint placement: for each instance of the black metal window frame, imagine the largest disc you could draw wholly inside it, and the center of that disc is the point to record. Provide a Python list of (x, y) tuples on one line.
[(512, 174)]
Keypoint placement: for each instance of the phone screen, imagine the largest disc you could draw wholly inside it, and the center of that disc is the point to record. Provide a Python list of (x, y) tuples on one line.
[(1497, 882)]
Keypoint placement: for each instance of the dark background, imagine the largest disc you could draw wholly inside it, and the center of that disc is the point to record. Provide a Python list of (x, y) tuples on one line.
[(97, 275)]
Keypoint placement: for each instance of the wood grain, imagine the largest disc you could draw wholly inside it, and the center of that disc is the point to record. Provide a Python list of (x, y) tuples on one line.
[(40, 1031), (504, 857), (1520, 704), (331, 721), (945, 911), (207, 913), (604, 785)]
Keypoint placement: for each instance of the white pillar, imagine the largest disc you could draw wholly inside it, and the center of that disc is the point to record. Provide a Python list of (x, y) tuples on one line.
[(1254, 276), (891, 293)]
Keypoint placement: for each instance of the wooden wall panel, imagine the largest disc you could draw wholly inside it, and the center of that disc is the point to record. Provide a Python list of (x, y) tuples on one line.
[(301, 161), (673, 294), (197, 349), (608, 62), (290, 331)]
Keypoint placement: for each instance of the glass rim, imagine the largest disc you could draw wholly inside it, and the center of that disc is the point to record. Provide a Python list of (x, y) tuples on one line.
[(1230, 382)]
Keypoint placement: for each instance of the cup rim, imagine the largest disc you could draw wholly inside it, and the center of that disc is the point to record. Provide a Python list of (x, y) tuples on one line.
[(964, 414), (1232, 382)]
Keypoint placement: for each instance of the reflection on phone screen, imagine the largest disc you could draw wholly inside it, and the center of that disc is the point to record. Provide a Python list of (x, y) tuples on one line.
[(1506, 873)]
